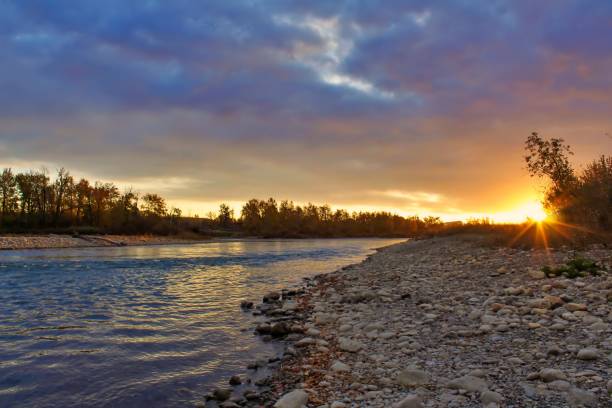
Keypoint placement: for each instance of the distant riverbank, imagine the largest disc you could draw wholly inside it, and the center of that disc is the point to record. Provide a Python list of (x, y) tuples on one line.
[(11, 242)]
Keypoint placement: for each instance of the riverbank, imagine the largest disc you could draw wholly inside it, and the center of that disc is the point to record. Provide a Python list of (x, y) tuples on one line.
[(13, 242), (446, 322)]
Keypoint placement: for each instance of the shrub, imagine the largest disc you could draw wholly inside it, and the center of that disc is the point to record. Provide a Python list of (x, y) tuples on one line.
[(574, 268)]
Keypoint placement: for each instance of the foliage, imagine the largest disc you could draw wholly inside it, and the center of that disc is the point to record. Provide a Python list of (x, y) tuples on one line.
[(32, 201), (268, 218), (584, 198), (574, 268)]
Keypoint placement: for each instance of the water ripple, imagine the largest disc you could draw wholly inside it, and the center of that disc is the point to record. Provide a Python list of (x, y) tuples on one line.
[(142, 326)]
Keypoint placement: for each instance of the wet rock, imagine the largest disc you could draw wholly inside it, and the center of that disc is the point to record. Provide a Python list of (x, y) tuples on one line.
[(263, 328), (245, 304), (221, 394), (235, 380), (280, 329), (271, 297)]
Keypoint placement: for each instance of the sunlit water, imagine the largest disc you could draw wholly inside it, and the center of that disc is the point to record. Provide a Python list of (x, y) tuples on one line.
[(155, 326)]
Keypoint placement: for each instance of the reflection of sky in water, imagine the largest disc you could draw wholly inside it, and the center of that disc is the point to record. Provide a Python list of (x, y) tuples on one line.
[(142, 326)]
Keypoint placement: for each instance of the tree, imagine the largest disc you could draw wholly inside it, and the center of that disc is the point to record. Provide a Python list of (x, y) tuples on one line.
[(550, 159), (226, 216), (154, 205), (63, 188), (8, 194)]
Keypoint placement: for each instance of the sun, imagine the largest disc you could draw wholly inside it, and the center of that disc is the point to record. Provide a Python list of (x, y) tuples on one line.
[(535, 211), (528, 211)]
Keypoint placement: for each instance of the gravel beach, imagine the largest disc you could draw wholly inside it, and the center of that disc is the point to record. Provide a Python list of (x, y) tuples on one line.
[(444, 322), (9, 242)]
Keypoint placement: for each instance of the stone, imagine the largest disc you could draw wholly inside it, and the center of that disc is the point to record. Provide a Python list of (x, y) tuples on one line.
[(559, 385), (468, 383), (412, 377), (588, 354), (235, 380), (338, 404), (491, 397), (536, 274), (411, 401), (271, 297), (352, 346), (609, 387), (280, 329), (575, 307), (295, 399), (306, 341), (552, 374), (222, 394), (577, 397), (340, 367), (245, 304)]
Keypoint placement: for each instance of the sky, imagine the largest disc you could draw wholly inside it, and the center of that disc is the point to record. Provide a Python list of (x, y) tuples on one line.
[(409, 106)]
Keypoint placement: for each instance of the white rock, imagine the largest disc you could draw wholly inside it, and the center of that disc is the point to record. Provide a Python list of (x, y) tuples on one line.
[(349, 345), (294, 399), (411, 401), (340, 367)]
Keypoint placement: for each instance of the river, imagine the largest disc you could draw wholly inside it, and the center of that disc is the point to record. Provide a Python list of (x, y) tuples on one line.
[(148, 326)]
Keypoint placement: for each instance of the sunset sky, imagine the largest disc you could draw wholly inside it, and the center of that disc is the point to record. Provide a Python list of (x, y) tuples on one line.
[(409, 106)]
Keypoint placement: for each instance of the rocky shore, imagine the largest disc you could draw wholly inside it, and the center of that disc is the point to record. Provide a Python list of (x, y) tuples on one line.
[(12, 242), (444, 322)]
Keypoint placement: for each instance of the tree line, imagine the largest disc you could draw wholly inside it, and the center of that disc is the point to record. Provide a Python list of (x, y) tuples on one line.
[(270, 218), (32, 201)]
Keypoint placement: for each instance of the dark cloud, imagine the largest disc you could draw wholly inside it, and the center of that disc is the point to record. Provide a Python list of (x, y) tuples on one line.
[(296, 98)]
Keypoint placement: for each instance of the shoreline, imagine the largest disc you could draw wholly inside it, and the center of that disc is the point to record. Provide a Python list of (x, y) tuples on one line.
[(19, 242), (443, 322), (61, 241)]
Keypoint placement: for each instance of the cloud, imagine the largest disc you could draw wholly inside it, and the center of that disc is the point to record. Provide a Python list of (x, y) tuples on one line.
[(311, 100)]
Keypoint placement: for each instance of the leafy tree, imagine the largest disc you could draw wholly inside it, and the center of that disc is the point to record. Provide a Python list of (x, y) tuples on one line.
[(8, 194), (226, 216), (154, 205)]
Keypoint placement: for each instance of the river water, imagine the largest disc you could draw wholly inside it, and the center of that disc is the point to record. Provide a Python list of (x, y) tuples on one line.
[(150, 326)]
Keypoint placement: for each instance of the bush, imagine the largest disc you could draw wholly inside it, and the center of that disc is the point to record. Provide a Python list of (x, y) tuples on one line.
[(577, 267)]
